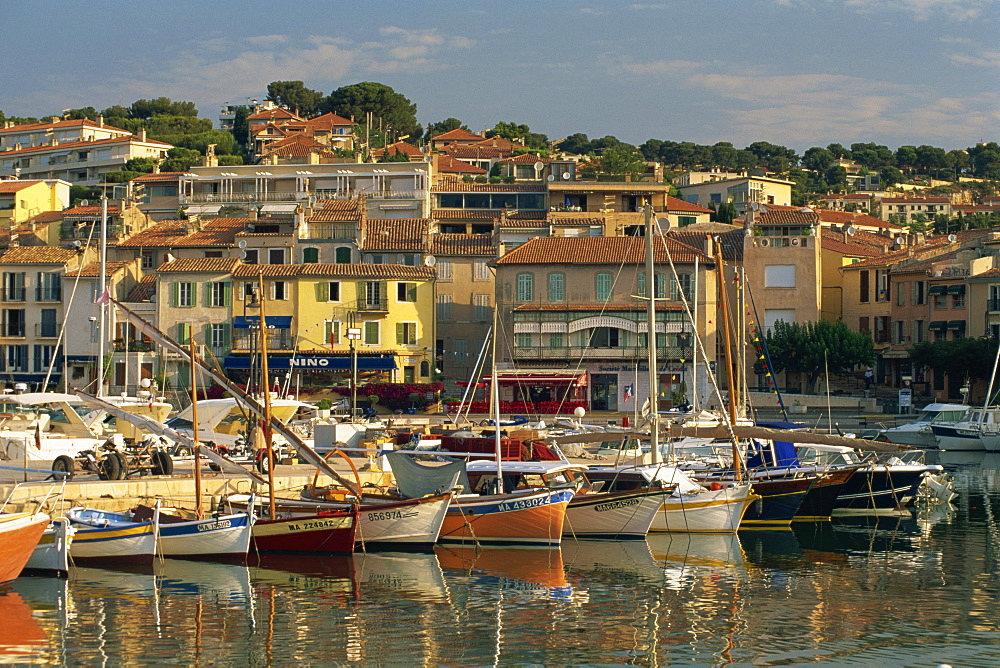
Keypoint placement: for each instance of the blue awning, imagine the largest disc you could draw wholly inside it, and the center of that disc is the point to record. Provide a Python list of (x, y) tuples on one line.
[(316, 362), (78, 359), (273, 321)]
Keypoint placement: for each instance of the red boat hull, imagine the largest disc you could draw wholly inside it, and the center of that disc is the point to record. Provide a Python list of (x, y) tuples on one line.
[(19, 535), (326, 533)]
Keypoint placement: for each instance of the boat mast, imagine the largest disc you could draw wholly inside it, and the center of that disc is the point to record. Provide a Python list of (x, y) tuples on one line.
[(693, 398), (102, 286), (724, 323), (266, 382), (654, 390), (495, 399), (199, 511), (989, 389)]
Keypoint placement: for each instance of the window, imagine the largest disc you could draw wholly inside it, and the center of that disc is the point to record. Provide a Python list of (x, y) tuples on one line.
[(939, 301), (864, 325), (375, 259), (919, 292), (444, 308), (779, 276), (557, 287), (48, 327), (276, 256), (459, 352), (331, 332), (43, 357), (604, 337), (248, 290), (525, 287), (409, 259), (252, 256), (900, 294), (682, 287), (773, 315), (882, 329), (148, 258), (371, 332), (13, 286), (898, 334), (881, 285), (556, 340), (864, 287), (49, 287), (918, 331), (16, 358), (218, 338), (328, 291), (343, 255), (958, 301), (409, 374), (375, 295), (483, 309), (481, 272), (406, 292), (522, 340), (686, 220), (310, 255), (640, 281), (220, 293), (406, 333), (444, 269), (279, 290), (184, 294), (661, 286), (13, 322), (603, 287)]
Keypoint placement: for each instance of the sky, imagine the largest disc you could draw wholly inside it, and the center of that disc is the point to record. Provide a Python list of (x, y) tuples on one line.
[(799, 73)]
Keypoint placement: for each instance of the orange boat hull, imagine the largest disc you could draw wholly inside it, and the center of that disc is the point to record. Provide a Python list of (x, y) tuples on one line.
[(19, 535), (516, 519)]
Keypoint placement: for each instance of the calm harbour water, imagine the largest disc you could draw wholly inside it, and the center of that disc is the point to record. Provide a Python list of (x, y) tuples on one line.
[(918, 591)]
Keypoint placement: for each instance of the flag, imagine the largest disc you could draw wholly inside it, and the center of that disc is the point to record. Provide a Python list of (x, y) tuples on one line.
[(105, 296), (38, 434), (629, 391)]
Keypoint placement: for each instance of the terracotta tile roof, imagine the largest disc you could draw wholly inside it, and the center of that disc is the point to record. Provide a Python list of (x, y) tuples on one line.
[(883, 260), (84, 144), (676, 204), (640, 308), (94, 270), (216, 232), (90, 211), (463, 244), (401, 147), (575, 222), (164, 234), (144, 291), (336, 211), (849, 218), (976, 208), (214, 265), (989, 274), (368, 271), (46, 217), (174, 234), (330, 119), (522, 223), (37, 255), (705, 228), (527, 214), (465, 214), (499, 142), (7, 187), (846, 196), (598, 250), (446, 163), (697, 235), (834, 241), (872, 239), (274, 112), (447, 185), (525, 159), (461, 151), (786, 216), (160, 176), (458, 134), (76, 122), (395, 234), (297, 146)]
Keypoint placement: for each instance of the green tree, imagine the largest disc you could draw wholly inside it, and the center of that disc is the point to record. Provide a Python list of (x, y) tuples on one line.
[(985, 160), (144, 165), (838, 151), (161, 106), (871, 155), (917, 223), (890, 176), (958, 161), (84, 112), (812, 347), (576, 143), (836, 177), (230, 160), (959, 358), (181, 159), (387, 107), (724, 155), (906, 158), (295, 96), (79, 193), (447, 125), (622, 160), (726, 213), (817, 159)]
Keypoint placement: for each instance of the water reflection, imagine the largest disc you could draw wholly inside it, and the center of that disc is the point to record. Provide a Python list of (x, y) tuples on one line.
[(913, 589)]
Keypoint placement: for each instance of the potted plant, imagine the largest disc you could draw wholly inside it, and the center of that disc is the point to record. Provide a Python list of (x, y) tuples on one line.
[(323, 407), (415, 398)]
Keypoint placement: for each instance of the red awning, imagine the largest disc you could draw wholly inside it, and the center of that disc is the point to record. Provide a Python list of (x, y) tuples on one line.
[(519, 379)]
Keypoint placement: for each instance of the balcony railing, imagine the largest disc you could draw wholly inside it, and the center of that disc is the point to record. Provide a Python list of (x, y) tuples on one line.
[(332, 231), (241, 198), (373, 305), (14, 294), (592, 352), (132, 346), (46, 330), (48, 294), (993, 305)]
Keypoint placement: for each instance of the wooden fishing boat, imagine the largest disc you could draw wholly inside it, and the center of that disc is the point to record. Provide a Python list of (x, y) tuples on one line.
[(330, 532), (530, 517), (51, 555), (112, 537), (19, 534), (219, 536)]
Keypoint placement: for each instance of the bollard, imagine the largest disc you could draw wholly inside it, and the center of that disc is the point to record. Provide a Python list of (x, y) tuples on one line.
[(625, 421)]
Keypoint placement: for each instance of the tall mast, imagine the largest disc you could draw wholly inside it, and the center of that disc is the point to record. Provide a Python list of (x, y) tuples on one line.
[(194, 428), (654, 389), (102, 286), (734, 393), (495, 399), (266, 382)]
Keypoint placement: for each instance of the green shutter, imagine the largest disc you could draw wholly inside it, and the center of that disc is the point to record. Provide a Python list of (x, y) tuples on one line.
[(400, 333), (175, 294), (323, 291), (227, 293), (206, 298), (208, 334), (194, 294)]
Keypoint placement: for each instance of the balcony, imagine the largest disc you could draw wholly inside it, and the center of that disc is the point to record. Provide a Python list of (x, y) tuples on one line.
[(570, 353), (993, 305), (46, 330), (13, 294), (48, 294), (332, 231), (244, 198), (121, 346), (373, 305)]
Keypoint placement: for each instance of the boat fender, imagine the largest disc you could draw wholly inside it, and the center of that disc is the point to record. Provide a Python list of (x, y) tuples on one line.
[(715, 487)]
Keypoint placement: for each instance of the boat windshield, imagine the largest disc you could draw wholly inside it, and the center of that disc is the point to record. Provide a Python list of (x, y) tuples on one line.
[(945, 416), (55, 413)]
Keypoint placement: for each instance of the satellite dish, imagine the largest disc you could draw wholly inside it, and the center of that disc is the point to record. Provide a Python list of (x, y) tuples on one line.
[(851, 230), (85, 202), (243, 255), (664, 223), (550, 177), (430, 261), (567, 176), (539, 166), (755, 206), (807, 210), (951, 238), (242, 244)]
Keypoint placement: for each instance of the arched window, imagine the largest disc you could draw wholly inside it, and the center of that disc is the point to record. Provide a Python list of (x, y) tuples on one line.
[(525, 287), (343, 255), (557, 287), (603, 287), (310, 255)]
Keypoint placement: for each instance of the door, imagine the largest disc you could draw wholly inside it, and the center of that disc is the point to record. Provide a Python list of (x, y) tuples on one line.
[(604, 392)]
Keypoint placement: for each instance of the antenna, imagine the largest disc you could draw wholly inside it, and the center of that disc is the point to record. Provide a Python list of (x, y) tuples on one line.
[(430, 261), (851, 230)]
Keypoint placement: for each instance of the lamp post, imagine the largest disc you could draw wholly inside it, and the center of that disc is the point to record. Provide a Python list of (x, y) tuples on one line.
[(353, 334)]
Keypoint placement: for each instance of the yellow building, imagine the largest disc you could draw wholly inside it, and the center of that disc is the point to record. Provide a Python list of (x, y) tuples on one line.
[(20, 200)]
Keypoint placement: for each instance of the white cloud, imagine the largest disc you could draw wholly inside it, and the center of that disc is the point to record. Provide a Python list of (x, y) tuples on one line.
[(981, 59), (923, 10), (266, 40)]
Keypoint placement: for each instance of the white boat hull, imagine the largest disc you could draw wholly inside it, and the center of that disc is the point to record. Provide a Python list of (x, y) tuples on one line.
[(613, 515), (218, 537), (52, 552), (409, 525), (711, 511), (111, 537)]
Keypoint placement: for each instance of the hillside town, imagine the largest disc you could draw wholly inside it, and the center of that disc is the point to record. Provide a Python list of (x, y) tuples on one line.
[(383, 262)]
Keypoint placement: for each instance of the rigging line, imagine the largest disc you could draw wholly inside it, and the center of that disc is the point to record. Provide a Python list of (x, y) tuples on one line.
[(62, 330), (767, 351)]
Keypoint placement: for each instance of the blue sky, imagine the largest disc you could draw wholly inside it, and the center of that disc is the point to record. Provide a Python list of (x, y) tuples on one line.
[(795, 72)]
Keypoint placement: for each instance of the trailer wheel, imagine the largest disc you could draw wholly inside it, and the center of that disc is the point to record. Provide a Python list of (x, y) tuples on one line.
[(109, 468), (162, 463), (122, 466), (260, 461), (65, 465)]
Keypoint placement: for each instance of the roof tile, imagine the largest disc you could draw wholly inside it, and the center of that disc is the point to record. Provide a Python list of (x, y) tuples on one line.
[(598, 250)]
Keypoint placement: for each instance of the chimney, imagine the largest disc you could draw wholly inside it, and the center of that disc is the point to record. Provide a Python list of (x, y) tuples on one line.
[(156, 166), (100, 120), (55, 119), (142, 134), (709, 245)]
